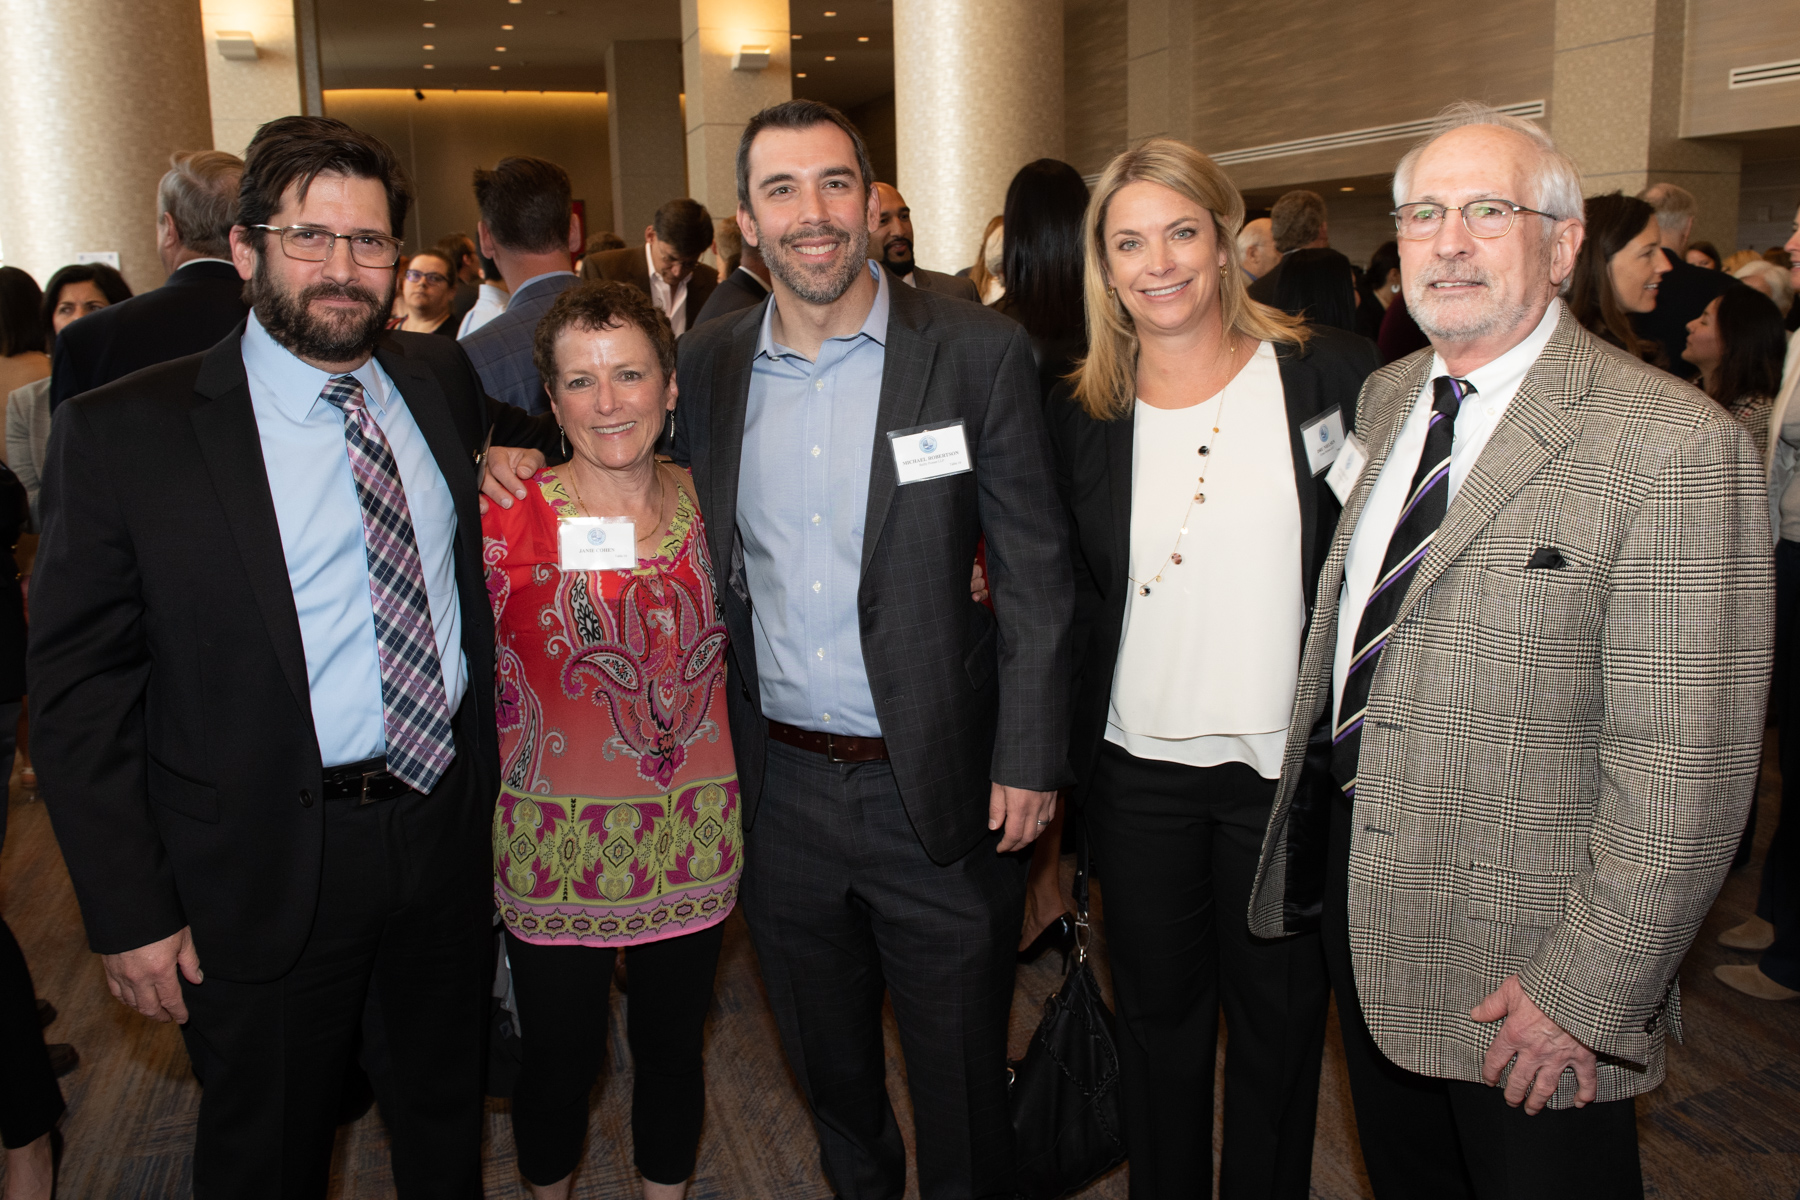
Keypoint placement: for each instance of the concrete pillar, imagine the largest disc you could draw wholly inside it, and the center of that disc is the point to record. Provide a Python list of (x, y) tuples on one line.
[(720, 101), (978, 93), (643, 116), (1615, 107), (94, 97), (248, 93), (1158, 55)]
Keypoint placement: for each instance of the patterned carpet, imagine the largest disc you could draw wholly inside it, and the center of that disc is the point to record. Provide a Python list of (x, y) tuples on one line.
[(1727, 1122)]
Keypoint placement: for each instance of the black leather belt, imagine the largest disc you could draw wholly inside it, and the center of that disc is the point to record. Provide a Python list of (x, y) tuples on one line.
[(836, 747), (363, 782)]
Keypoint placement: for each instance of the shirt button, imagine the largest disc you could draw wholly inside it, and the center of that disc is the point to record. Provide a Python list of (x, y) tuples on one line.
[(815, 518), (821, 652), (816, 585), (818, 385), (815, 452)]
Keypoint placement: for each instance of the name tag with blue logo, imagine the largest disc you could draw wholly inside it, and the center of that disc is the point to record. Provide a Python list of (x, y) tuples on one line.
[(1323, 437), (930, 452), (596, 544)]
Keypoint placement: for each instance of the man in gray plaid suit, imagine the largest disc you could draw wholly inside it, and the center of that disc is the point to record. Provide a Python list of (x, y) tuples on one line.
[(1534, 686)]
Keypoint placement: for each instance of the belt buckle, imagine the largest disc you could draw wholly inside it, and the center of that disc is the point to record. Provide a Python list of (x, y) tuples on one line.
[(831, 750), (365, 798)]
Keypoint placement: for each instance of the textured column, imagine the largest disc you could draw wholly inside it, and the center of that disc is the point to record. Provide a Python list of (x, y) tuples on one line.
[(978, 93), (1615, 108), (246, 94), (643, 115), (720, 101), (94, 97)]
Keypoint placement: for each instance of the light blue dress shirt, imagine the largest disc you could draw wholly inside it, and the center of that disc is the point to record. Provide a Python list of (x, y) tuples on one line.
[(803, 497), (322, 538)]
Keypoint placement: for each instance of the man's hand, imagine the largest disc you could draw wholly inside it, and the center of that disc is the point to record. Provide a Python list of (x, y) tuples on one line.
[(1023, 814), (978, 590), (144, 978), (1542, 1047), (504, 473)]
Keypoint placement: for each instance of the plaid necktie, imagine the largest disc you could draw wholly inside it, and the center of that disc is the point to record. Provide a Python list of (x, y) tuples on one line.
[(1418, 524), (414, 710)]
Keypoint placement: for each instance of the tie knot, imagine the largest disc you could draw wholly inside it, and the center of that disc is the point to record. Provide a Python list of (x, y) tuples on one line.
[(1448, 393), (344, 392)]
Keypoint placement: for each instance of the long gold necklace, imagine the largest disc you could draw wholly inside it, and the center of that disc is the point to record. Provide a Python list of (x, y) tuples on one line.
[(1174, 557)]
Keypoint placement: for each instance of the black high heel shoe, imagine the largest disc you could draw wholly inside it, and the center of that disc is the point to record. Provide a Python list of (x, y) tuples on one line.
[(1058, 934)]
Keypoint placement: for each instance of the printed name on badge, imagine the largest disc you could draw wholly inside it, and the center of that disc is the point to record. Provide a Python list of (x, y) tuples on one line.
[(1324, 438), (930, 452), (1347, 469), (596, 544)]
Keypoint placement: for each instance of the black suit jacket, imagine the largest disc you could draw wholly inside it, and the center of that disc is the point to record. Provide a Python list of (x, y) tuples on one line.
[(171, 712), (1682, 295), (1267, 288), (199, 305), (628, 266), (965, 696), (1093, 460), (738, 290)]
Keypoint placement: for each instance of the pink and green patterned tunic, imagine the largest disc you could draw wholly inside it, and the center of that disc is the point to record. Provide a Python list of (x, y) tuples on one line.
[(617, 822)]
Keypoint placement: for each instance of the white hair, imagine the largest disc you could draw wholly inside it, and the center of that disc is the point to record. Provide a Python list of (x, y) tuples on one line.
[(1556, 181), (1780, 284)]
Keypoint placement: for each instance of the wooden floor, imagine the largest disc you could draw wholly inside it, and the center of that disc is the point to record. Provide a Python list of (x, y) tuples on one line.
[(1726, 1124)]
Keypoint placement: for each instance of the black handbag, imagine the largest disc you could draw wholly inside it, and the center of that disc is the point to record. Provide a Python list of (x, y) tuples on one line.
[(1065, 1091)]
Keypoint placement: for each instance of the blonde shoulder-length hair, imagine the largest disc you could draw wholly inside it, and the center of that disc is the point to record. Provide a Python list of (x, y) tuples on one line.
[(1106, 380)]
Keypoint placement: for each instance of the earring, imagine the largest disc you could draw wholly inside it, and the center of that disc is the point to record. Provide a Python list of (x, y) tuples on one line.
[(1393, 287), (564, 440), (1112, 293)]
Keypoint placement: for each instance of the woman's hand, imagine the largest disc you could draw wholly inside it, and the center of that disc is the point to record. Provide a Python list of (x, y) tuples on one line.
[(504, 472)]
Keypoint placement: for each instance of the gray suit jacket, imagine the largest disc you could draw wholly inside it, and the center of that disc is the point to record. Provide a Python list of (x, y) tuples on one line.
[(501, 349), (944, 285), (965, 694), (1556, 760)]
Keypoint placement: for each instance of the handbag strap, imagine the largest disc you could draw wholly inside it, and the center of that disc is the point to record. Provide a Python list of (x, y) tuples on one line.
[(1081, 889)]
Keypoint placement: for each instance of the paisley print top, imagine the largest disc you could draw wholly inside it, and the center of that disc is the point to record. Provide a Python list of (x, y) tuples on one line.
[(617, 822)]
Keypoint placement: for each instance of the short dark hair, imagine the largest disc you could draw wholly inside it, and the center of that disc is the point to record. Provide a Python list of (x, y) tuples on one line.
[(595, 305), (112, 285), (1297, 218), (686, 225), (1753, 338), (459, 246), (1386, 258), (798, 114), (439, 252), (527, 204), (1045, 204), (606, 239), (1612, 221), (20, 301), (294, 151)]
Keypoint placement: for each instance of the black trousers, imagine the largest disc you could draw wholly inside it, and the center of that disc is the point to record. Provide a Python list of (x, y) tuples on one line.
[(1445, 1139), (1177, 848), (405, 904), (844, 904), (563, 994), (1779, 900), (30, 1100)]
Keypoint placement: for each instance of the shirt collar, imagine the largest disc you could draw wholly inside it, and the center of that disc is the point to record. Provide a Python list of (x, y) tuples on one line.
[(874, 326), (535, 278), (190, 262), (1503, 376), (295, 387)]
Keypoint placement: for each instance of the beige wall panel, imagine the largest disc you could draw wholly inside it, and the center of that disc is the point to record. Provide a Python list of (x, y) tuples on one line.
[(1722, 34), (245, 95), (1094, 82), (442, 139), (1599, 111), (647, 140), (978, 93), (720, 101), (94, 97)]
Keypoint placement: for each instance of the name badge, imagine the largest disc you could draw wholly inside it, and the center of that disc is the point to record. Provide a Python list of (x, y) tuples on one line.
[(596, 544), (1347, 469), (1324, 439), (929, 452)]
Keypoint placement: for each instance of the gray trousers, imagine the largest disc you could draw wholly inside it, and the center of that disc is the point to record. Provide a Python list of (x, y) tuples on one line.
[(843, 904)]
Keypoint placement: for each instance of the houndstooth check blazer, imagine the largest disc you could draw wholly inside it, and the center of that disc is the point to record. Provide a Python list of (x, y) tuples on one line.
[(1556, 761)]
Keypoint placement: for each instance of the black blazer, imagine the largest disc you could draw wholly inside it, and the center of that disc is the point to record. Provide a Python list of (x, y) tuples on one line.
[(171, 714), (1093, 461), (966, 696), (1682, 295), (628, 266), (740, 289), (199, 305)]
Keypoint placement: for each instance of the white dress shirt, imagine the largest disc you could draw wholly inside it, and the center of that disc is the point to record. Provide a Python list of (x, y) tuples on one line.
[(321, 527), (1205, 672), (672, 303), (490, 302), (1495, 385)]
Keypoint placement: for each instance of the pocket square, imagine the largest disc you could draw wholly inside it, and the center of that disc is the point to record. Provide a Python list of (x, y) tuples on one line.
[(1547, 558)]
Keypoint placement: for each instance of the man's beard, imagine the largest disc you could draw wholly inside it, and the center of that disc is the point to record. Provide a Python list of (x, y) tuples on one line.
[(337, 338), (899, 266), (1446, 319), (815, 282)]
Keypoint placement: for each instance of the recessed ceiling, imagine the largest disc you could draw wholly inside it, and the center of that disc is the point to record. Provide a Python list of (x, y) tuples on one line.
[(862, 71)]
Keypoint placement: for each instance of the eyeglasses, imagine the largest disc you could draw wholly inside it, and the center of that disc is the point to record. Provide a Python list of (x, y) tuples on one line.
[(1482, 218), (431, 277), (306, 243)]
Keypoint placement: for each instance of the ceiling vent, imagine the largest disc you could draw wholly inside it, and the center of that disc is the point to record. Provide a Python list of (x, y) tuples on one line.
[(1775, 72), (1530, 109)]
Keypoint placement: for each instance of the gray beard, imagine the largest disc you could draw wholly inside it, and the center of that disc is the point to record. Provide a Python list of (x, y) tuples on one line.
[(785, 265)]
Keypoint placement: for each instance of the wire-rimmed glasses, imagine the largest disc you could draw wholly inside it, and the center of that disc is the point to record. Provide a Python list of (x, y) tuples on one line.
[(309, 243), (1491, 218)]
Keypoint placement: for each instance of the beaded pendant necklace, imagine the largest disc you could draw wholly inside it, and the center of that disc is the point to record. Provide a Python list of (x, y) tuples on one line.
[(1199, 498)]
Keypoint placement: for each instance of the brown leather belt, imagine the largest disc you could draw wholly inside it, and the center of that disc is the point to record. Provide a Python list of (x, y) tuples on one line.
[(836, 747)]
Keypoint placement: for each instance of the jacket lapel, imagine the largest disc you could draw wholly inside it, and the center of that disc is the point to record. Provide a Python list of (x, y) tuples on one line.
[(1121, 438), (729, 398), (225, 427), (905, 373)]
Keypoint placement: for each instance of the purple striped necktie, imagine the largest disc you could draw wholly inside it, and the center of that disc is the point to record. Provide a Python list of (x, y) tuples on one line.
[(1418, 524), (414, 711)]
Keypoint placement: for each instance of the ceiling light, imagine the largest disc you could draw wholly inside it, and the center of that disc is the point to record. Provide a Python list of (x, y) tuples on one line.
[(831, 12), (799, 74), (831, 58), (1346, 189), (236, 45), (499, 49), (796, 36), (429, 46), (862, 39), (494, 67), (431, 24), (506, 27), (431, 66)]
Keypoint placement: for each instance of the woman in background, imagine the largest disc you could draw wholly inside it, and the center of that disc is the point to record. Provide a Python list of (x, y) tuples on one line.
[(1617, 272), (1378, 287), (22, 349), (1739, 344), (990, 283), (427, 287), (1704, 254)]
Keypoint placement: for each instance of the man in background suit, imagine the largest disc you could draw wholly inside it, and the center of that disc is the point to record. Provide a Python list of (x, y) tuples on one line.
[(200, 303), (1297, 222), (668, 268), (261, 666), (1256, 248), (1535, 682), (892, 243), (528, 228), (1684, 292), (746, 286)]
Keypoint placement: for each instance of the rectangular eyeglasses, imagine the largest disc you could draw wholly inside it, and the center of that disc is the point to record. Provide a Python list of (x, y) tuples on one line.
[(1482, 218), (308, 243)]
